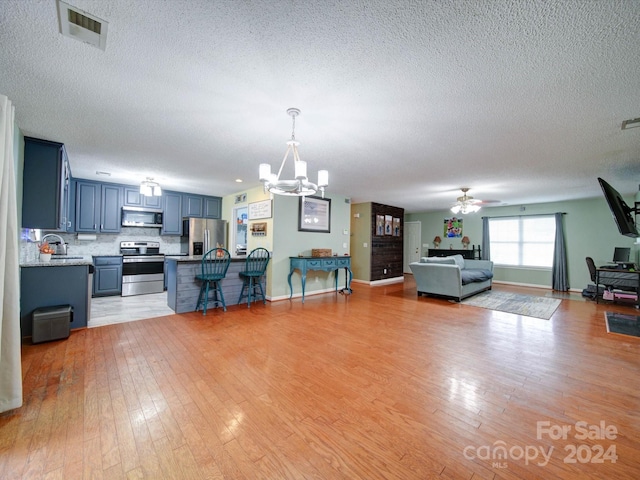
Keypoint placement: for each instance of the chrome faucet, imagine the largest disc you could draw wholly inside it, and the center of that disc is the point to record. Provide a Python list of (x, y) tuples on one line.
[(60, 249)]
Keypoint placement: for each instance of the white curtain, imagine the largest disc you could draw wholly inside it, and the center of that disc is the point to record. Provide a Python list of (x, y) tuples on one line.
[(10, 368)]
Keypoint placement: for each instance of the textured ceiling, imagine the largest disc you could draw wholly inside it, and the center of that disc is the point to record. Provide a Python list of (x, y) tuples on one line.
[(404, 102)]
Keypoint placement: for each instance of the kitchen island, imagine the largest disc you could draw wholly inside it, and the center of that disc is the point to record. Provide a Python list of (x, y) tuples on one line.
[(54, 283), (183, 288)]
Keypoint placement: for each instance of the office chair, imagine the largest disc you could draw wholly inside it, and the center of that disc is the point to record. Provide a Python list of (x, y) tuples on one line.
[(592, 268)]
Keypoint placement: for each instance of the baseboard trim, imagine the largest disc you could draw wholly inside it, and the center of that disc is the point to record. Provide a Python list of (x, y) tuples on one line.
[(533, 285), (306, 294), (376, 283)]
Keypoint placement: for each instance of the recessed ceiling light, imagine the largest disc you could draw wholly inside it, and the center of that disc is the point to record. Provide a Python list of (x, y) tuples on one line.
[(238, 180), (633, 123)]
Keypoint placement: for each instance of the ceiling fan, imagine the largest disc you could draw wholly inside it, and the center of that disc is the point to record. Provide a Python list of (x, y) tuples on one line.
[(468, 204)]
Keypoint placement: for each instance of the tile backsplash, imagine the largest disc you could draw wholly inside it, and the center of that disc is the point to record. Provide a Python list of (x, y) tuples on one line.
[(104, 244)]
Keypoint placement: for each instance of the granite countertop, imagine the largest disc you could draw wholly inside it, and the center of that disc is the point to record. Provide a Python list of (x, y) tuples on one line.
[(197, 258), (72, 260)]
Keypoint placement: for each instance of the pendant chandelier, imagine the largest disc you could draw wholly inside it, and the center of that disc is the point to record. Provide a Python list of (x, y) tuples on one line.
[(465, 204), (300, 186), (149, 188)]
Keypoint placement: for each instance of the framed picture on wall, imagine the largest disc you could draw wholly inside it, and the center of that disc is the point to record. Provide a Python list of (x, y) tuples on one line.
[(388, 225), (396, 227), (258, 210), (380, 225), (314, 215), (453, 227)]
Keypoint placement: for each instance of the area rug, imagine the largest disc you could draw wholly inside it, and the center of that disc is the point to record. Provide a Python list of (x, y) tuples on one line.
[(528, 305), (623, 324)]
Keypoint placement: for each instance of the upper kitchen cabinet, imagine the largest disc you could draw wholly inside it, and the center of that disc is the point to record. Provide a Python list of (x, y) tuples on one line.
[(98, 207), (200, 206), (45, 188), (172, 213), (212, 207), (133, 198), (192, 205)]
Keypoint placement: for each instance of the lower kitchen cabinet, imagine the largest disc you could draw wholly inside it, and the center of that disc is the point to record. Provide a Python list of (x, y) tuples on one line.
[(54, 286), (107, 276)]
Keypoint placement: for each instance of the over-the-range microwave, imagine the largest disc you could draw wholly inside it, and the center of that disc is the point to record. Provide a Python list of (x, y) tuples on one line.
[(141, 217)]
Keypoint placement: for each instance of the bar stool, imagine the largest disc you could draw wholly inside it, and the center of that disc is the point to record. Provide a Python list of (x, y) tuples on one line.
[(215, 264), (254, 267)]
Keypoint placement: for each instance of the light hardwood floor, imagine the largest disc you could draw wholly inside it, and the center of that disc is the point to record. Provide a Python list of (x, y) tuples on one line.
[(117, 309), (379, 384)]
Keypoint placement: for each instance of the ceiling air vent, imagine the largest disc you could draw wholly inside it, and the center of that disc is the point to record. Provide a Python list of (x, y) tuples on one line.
[(74, 23)]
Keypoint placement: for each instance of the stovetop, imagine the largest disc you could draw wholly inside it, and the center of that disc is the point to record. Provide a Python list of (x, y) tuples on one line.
[(140, 249)]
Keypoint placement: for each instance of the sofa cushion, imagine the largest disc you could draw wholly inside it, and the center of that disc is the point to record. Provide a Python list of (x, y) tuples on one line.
[(471, 275), (442, 260)]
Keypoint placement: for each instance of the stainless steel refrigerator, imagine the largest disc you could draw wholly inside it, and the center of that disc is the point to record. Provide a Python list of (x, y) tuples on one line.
[(199, 235)]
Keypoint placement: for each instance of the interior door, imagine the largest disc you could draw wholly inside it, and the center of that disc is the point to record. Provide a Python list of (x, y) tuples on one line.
[(412, 240)]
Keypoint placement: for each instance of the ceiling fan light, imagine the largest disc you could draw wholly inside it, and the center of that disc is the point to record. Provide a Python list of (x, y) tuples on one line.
[(456, 208)]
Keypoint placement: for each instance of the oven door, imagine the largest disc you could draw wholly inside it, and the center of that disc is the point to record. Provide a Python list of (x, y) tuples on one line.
[(142, 274)]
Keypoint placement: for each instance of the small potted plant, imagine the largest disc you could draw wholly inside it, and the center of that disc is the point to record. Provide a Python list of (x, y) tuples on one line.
[(45, 252)]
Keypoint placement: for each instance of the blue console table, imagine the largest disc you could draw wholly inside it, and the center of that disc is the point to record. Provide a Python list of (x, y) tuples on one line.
[(326, 264)]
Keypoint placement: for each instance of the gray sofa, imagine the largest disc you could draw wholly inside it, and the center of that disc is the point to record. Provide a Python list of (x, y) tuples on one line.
[(453, 276)]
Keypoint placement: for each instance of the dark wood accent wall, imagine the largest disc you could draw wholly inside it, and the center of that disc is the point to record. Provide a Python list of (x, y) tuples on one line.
[(386, 250)]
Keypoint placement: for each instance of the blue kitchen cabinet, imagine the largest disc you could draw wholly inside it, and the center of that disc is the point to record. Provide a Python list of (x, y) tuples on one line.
[(192, 205), (107, 276), (98, 207), (133, 198), (200, 206), (212, 207), (111, 209), (45, 185), (172, 213), (52, 286)]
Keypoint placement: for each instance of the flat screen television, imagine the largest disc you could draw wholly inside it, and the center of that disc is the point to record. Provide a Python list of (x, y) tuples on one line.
[(620, 210)]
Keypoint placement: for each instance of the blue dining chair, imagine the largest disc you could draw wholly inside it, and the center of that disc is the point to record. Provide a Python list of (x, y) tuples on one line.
[(254, 269), (215, 264)]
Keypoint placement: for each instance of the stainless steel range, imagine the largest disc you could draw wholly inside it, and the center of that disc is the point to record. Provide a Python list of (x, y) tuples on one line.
[(142, 268)]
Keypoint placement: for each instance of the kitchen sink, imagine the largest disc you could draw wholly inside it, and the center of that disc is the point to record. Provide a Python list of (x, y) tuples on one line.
[(65, 257)]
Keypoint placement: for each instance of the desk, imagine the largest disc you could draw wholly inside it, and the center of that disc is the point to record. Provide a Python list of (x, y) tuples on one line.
[(326, 264), (621, 279)]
